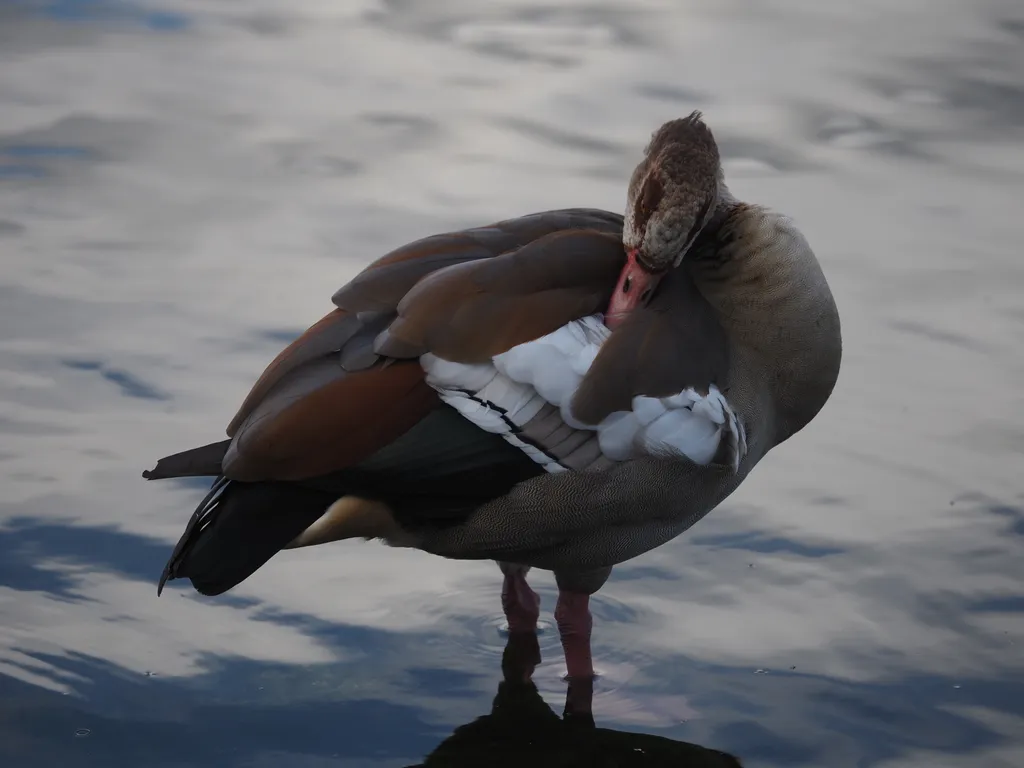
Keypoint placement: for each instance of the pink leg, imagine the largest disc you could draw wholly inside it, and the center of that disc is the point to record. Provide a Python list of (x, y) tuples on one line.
[(572, 614), (520, 603)]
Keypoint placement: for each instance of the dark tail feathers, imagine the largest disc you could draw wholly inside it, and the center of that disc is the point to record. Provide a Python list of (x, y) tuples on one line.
[(204, 461), (237, 528)]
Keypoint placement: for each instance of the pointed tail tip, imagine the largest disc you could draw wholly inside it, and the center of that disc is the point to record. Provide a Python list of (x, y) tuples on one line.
[(163, 580)]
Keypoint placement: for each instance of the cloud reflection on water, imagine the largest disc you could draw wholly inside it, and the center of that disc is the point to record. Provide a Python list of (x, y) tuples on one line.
[(178, 202)]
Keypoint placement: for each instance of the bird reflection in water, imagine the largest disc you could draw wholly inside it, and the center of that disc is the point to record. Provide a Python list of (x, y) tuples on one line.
[(522, 730)]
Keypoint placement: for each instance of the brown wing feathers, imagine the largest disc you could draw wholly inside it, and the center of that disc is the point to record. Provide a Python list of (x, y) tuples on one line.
[(469, 313), (327, 401), (385, 282), (326, 335), (320, 419)]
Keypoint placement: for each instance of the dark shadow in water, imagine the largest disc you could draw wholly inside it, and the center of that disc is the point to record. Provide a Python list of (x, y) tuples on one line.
[(522, 730), (1010, 604), (27, 159), (21, 171), (27, 545), (11, 228), (68, 145), (558, 138), (112, 10), (759, 541), (1015, 516), (156, 722), (129, 384), (150, 721), (935, 334), (978, 91), (672, 94), (824, 124), (245, 712), (629, 572)]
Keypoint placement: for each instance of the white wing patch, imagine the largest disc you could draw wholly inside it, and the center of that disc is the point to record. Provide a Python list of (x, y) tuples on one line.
[(513, 395), (554, 365), (688, 423), (492, 401)]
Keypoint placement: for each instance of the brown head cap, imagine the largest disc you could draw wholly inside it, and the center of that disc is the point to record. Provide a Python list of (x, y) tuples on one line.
[(672, 193)]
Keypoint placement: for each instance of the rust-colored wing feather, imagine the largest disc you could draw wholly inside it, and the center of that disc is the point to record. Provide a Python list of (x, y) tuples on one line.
[(381, 286), (330, 400), (327, 335), (659, 350), (320, 418), (468, 313), (385, 282)]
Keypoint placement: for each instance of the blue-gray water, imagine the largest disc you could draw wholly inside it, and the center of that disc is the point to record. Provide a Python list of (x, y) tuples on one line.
[(184, 184)]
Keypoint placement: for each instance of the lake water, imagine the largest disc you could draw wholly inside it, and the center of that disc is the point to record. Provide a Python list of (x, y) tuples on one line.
[(183, 185)]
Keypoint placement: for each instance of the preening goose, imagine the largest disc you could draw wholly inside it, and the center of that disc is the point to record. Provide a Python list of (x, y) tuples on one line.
[(566, 391)]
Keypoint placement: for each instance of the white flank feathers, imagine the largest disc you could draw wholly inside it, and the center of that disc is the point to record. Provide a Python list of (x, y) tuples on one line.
[(554, 365), (504, 396)]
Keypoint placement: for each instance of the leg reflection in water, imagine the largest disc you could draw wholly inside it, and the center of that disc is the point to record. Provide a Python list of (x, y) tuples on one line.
[(522, 730)]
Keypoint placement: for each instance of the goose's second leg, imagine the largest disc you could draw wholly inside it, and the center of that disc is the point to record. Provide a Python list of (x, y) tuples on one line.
[(572, 614), (520, 603)]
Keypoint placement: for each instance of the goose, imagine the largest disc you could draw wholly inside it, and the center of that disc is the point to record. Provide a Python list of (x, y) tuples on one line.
[(565, 391)]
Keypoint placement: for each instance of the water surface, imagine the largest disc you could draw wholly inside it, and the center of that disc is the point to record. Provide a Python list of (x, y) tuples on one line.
[(184, 185)]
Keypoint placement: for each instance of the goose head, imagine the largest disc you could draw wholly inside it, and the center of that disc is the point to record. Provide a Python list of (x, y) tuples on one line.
[(672, 195)]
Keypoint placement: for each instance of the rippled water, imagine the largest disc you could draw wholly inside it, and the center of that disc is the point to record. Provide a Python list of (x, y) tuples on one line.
[(184, 184)]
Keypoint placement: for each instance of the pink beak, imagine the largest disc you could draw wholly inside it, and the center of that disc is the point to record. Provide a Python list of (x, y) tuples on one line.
[(635, 287)]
